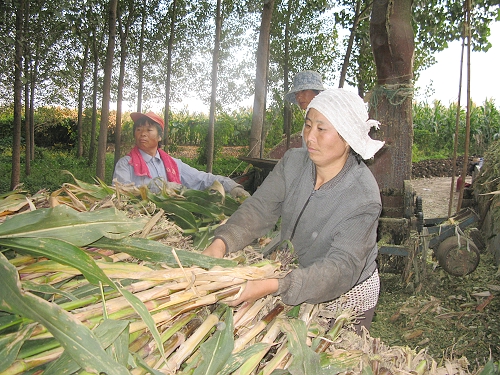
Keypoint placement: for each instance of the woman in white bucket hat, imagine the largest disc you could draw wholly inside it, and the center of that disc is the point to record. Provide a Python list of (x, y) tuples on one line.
[(329, 205)]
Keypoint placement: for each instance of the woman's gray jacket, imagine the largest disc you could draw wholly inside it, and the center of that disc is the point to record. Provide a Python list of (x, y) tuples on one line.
[(333, 229)]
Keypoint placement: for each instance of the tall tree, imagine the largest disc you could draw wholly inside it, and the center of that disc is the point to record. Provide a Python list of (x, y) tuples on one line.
[(18, 87), (81, 93), (27, 110), (213, 98), (171, 39), (259, 104), (106, 95), (393, 49), (126, 11), (140, 70)]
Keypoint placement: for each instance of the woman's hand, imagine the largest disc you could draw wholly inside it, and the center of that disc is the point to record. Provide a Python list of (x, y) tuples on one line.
[(255, 289), (217, 249)]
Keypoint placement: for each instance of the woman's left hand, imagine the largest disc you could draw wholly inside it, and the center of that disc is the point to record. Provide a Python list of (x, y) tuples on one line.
[(255, 289)]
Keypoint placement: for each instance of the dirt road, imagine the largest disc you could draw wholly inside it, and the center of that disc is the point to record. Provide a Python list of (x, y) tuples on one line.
[(435, 193)]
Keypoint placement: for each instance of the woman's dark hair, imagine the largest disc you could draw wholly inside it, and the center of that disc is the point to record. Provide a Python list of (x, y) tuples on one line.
[(358, 157), (143, 121)]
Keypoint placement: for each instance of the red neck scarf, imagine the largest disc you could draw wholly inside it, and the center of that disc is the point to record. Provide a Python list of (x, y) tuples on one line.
[(141, 169)]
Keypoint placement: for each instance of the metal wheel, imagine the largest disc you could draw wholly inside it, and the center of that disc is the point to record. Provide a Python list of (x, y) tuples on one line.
[(458, 258)]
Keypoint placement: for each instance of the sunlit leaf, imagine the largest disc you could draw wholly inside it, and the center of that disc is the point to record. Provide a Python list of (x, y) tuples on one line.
[(76, 339), (155, 251), (217, 350), (64, 223)]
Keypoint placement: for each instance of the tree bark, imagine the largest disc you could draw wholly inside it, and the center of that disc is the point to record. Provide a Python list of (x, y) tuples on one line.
[(213, 97), (345, 65), (106, 93), (287, 108), (140, 68), (81, 89), (259, 103), (18, 88), (27, 130), (124, 32), (392, 39), (93, 128), (166, 131)]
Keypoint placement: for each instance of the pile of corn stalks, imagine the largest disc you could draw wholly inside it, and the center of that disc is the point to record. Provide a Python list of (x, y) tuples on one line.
[(89, 286)]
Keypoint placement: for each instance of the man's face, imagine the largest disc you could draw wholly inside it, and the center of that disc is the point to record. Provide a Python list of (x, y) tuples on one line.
[(304, 97), (147, 137)]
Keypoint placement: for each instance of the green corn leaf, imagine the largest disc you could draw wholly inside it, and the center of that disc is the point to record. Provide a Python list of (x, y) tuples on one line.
[(202, 239), (214, 208), (64, 223), (154, 251), (217, 350), (192, 207), (237, 359), (47, 289), (107, 333), (66, 253), (182, 217), (76, 339), (11, 344), (9, 321), (208, 195), (142, 364), (100, 191), (13, 203), (61, 252), (305, 360)]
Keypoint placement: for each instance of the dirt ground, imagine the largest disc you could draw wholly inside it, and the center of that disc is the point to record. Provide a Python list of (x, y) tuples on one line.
[(435, 194)]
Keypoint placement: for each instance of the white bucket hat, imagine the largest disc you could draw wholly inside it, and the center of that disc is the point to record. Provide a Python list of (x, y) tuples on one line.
[(348, 114), (305, 80)]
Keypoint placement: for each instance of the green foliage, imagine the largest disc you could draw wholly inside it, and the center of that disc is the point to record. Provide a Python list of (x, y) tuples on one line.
[(433, 126), (434, 129), (46, 170)]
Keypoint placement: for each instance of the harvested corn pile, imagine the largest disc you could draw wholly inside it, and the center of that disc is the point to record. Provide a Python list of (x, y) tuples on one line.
[(109, 280)]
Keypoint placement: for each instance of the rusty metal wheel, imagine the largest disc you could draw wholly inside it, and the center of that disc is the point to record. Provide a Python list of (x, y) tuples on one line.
[(458, 258)]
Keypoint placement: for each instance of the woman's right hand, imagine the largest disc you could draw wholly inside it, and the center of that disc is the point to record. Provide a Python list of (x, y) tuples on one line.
[(217, 249)]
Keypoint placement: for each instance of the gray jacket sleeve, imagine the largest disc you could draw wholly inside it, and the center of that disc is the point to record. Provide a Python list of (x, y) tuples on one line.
[(257, 215)]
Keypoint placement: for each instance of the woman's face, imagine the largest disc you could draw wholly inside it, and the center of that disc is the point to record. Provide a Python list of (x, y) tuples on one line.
[(326, 147), (147, 137), (304, 97)]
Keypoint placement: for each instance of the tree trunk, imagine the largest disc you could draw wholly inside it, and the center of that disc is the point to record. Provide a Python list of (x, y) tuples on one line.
[(27, 91), (34, 78), (95, 88), (259, 103), (345, 65), (18, 88), (392, 40), (166, 131), (124, 32), (287, 108), (140, 73), (213, 97), (106, 93), (81, 90)]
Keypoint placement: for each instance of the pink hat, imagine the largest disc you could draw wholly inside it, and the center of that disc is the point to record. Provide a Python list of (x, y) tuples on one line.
[(135, 116)]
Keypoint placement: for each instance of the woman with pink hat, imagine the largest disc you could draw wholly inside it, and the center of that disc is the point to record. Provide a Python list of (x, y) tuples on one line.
[(329, 205), (149, 165)]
